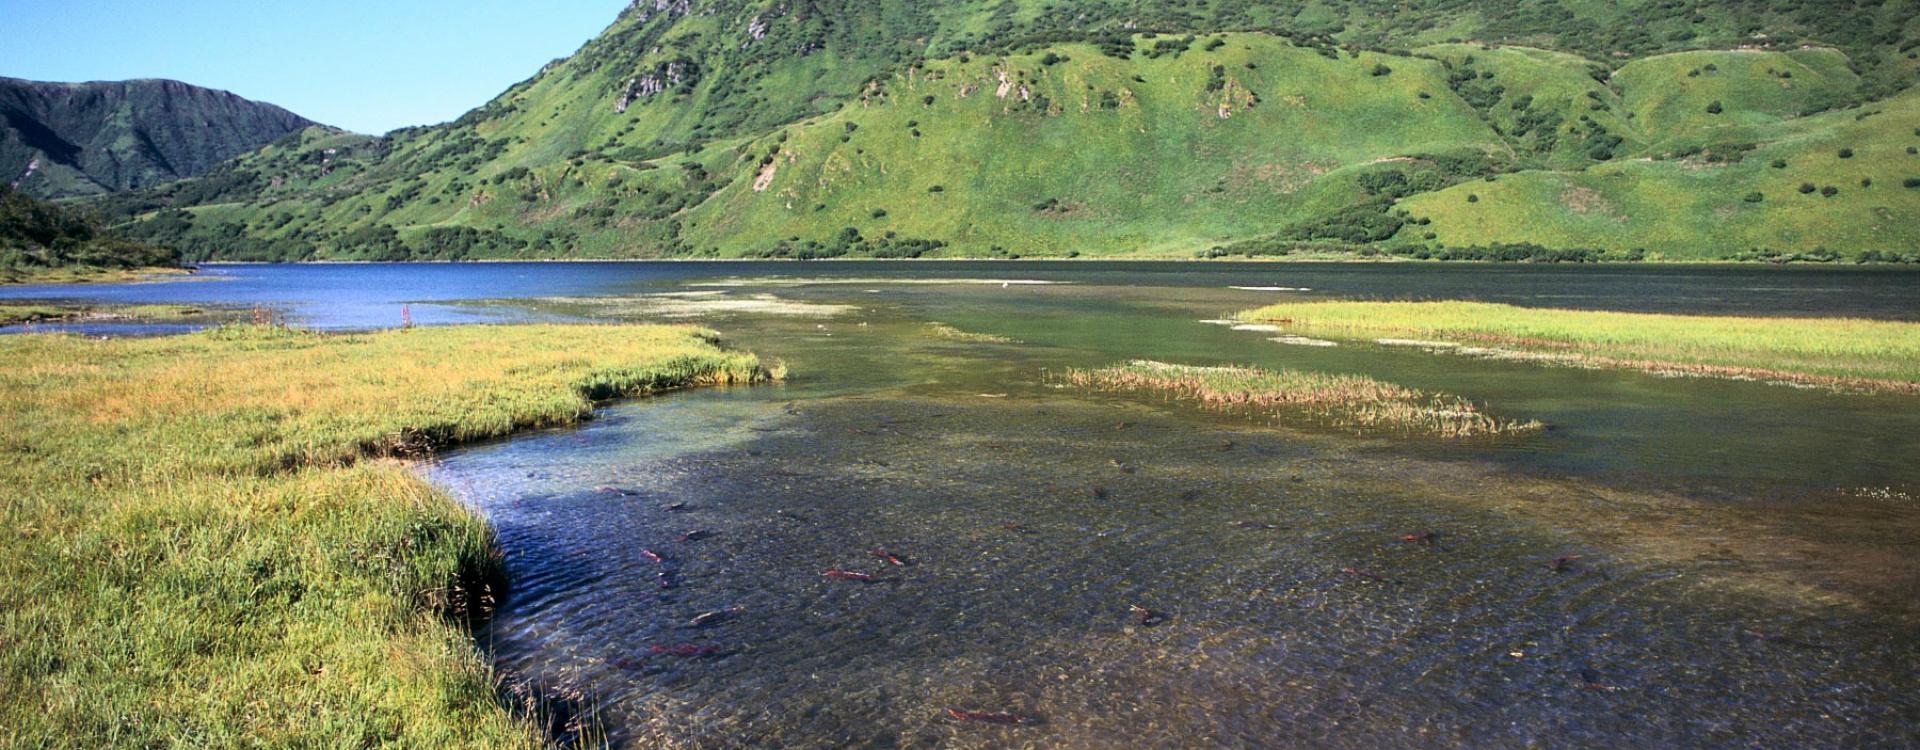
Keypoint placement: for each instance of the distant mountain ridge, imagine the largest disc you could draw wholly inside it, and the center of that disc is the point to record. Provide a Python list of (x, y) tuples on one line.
[(60, 140)]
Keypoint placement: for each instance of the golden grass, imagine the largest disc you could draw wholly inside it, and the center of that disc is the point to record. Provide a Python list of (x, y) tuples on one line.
[(84, 275), (203, 548), (951, 333), (1351, 401), (1834, 352)]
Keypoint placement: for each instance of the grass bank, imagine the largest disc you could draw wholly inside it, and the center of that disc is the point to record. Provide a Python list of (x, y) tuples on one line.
[(34, 275), (1351, 401), (17, 314), (204, 544), (1833, 352)]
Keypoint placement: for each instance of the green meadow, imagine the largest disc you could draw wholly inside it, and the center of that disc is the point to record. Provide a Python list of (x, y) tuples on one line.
[(208, 541), (1845, 353)]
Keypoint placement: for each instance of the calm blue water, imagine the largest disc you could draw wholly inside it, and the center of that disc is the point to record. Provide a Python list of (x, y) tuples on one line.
[(370, 295)]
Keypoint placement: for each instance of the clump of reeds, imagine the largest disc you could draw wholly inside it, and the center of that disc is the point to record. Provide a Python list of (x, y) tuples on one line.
[(1351, 401), (945, 331)]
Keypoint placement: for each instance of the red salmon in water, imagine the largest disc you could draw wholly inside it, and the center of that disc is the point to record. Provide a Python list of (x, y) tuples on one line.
[(891, 559), (986, 717), (1562, 564), (685, 649), (652, 556), (847, 574)]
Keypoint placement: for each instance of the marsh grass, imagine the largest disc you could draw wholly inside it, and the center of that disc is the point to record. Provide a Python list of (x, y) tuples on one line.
[(52, 313), (1840, 353), (951, 333), (1349, 401), (206, 544), (84, 275)]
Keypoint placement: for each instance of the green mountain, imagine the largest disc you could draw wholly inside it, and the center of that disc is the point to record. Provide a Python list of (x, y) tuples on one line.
[(37, 237), (1677, 129), (70, 139)]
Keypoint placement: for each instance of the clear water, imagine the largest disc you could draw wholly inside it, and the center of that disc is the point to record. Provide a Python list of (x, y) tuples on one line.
[(1745, 552)]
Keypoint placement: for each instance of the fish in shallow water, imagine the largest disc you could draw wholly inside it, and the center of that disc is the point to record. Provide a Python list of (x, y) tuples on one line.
[(695, 535), (1424, 537), (1144, 617), (1257, 525), (1562, 563), (849, 575), (652, 556), (1590, 679), (1365, 575), (706, 619), (686, 649), (1777, 639), (987, 717), (892, 559)]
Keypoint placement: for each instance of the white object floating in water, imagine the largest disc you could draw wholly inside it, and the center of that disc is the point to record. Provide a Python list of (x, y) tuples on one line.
[(1418, 343), (1271, 288), (1257, 327), (993, 395), (1302, 341), (1221, 322)]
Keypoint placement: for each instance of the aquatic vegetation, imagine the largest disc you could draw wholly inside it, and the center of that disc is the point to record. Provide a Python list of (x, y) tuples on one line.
[(1352, 401), (951, 333), (1840, 353), (203, 544)]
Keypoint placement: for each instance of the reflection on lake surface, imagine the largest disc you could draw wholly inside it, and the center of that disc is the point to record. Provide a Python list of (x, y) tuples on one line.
[(1678, 562)]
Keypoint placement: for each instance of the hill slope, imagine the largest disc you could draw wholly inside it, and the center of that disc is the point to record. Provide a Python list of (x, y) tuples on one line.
[(66, 139), (37, 237), (812, 128)]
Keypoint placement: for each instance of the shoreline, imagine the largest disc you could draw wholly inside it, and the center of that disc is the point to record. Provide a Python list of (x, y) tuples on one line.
[(271, 551)]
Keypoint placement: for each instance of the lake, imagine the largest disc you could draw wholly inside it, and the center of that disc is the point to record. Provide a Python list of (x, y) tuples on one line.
[(1128, 571)]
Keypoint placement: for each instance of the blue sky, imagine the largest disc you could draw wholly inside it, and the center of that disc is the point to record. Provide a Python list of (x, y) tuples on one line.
[(363, 65)]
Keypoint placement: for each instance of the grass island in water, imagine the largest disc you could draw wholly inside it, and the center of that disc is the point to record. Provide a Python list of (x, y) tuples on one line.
[(1352, 401), (204, 544), (1840, 353)]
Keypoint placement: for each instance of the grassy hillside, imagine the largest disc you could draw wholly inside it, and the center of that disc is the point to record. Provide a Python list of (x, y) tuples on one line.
[(1845, 182), (733, 128)]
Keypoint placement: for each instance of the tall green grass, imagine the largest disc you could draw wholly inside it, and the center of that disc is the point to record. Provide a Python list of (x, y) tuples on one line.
[(1352, 401), (1877, 355), (203, 546)]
